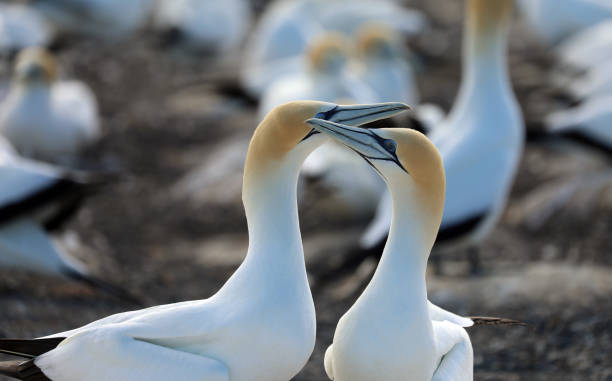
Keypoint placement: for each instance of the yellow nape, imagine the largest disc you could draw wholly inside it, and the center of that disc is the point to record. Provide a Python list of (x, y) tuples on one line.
[(326, 49), (39, 57), (487, 14), (373, 35), (423, 162), (278, 133)]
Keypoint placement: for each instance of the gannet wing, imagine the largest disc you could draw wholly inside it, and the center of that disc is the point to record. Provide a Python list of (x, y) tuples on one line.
[(454, 350), (110, 354), (328, 362), (439, 314)]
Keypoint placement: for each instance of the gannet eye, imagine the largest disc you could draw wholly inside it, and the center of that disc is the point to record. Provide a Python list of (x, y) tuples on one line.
[(390, 145)]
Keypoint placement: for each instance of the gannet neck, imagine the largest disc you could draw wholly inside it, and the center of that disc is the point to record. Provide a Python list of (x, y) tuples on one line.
[(484, 47), (34, 95)]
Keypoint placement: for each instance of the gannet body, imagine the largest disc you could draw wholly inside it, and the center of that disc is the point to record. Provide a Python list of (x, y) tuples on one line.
[(36, 199), (284, 31), (555, 20), (111, 19), (205, 25), (21, 27), (592, 119), (260, 326), (588, 48), (392, 332), (481, 140), (46, 119)]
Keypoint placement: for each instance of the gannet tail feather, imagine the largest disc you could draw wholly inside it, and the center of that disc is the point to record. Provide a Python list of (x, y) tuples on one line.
[(100, 284), (485, 320), (22, 370), (29, 348)]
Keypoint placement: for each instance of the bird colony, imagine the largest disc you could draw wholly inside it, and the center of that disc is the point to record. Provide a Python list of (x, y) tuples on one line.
[(383, 161)]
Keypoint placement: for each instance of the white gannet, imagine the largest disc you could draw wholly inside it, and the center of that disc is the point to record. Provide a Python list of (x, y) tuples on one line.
[(588, 48), (36, 199), (45, 118), (112, 19), (392, 332), (22, 26), (480, 141), (591, 121), (555, 20), (283, 33), (382, 63), (207, 25), (260, 326)]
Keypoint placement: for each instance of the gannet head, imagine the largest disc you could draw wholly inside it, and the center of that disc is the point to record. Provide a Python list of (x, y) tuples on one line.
[(35, 66), (328, 53), (377, 41), (407, 160), (284, 129)]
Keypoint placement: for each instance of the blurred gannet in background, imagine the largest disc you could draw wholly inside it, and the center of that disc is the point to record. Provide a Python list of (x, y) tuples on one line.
[(22, 26), (555, 20), (589, 48), (35, 199), (480, 141), (207, 25), (382, 64), (392, 330), (591, 121), (285, 30), (45, 118), (260, 326), (111, 19)]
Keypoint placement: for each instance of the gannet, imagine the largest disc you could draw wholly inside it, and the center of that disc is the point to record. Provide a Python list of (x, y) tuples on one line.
[(591, 121), (111, 19), (212, 25), (391, 332), (283, 33), (382, 63), (22, 26), (260, 326), (588, 48), (36, 199), (45, 118), (555, 20), (480, 141)]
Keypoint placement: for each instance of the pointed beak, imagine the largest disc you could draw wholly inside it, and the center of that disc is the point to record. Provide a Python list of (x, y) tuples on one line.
[(357, 115), (361, 140)]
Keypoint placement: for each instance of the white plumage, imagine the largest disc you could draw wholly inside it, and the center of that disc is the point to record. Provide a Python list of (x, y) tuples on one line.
[(44, 118), (206, 24), (21, 27)]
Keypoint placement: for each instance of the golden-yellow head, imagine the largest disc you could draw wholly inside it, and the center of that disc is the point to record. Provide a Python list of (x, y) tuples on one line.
[(328, 53), (377, 40), (405, 158), (35, 65)]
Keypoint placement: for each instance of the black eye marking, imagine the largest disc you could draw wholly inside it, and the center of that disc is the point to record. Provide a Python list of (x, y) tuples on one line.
[(390, 145), (326, 115)]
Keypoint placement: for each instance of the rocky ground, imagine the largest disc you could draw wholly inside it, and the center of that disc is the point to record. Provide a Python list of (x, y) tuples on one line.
[(548, 263)]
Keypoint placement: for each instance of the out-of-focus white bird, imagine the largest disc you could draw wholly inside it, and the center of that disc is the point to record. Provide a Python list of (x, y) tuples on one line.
[(260, 326), (111, 19), (285, 30), (322, 79), (589, 48), (591, 120), (555, 20), (22, 26), (381, 62), (45, 118), (481, 140), (35, 199), (207, 25), (392, 324)]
